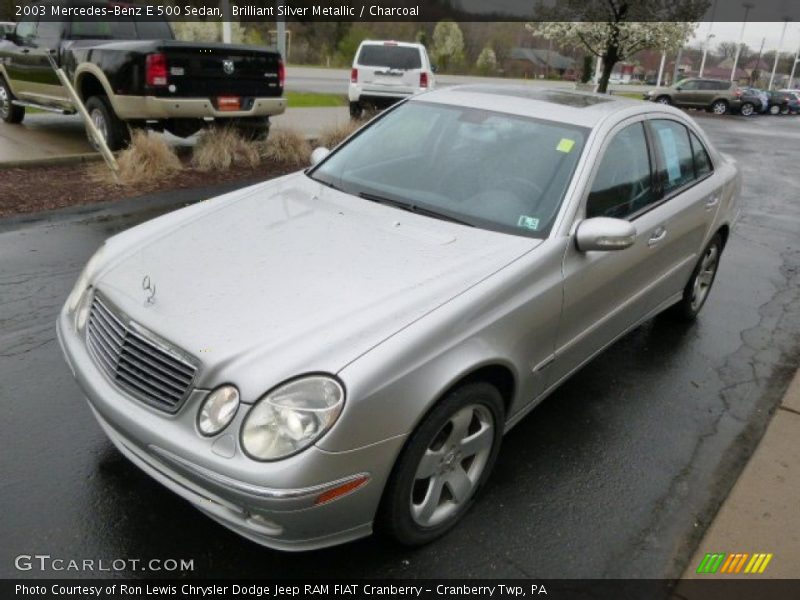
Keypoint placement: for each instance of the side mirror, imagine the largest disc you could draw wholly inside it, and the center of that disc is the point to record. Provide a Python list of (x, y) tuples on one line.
[(678, 89), (604, 234), (318, 155), (434, 69)]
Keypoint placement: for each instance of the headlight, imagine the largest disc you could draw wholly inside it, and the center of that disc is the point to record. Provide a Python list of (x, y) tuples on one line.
[(217, 410), (83, 281), (292, 417)]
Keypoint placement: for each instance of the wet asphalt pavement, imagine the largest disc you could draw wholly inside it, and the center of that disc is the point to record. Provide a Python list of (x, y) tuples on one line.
[(616, 475)]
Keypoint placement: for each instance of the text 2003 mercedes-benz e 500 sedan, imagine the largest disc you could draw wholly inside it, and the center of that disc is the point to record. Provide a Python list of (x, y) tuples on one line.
[(342, 349)]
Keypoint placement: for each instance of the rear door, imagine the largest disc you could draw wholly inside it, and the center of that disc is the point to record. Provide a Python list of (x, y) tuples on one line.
[(389, 67), (688, 93), (690, 198)]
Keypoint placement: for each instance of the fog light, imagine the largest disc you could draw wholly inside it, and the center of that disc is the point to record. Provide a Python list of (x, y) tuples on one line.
[(218, 410)]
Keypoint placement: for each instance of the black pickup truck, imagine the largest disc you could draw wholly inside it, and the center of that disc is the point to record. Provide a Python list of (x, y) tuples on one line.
[(132, 72)]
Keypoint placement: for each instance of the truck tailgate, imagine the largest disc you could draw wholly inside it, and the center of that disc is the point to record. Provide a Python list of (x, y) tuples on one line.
[(206, 70)]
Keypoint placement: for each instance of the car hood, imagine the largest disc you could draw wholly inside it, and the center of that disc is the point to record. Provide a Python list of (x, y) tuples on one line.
[(293, 277)]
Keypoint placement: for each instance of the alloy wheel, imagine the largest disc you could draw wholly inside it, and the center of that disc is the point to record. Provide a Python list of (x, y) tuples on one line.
[(705, 276), (747, 109), (99, 121), (719, 108), (451, 468)]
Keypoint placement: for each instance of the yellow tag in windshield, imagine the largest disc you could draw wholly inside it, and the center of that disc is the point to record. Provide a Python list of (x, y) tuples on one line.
[(565, 145)]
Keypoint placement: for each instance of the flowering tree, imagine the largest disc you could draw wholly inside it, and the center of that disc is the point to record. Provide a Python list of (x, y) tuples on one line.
[(487, 61), (448, 43), (614, 30)]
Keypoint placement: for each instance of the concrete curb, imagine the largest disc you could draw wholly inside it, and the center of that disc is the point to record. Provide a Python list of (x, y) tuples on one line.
[(51, 161), (761, 514)]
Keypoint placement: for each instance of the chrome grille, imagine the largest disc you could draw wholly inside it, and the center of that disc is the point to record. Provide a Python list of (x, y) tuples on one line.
[(135, 363)]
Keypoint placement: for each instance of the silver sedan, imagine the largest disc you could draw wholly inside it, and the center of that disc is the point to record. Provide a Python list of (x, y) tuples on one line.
[(342, 349)]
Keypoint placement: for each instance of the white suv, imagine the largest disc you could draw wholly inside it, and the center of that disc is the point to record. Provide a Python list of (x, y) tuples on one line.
[(385, 72)]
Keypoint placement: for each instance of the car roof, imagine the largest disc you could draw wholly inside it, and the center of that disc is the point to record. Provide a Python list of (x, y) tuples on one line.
[(390, 43), (584, 109)]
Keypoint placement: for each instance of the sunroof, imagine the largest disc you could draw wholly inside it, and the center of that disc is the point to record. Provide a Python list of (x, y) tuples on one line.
[(566, 98)]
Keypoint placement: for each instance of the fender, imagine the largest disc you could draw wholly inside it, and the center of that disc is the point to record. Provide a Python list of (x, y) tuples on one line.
[(7, 79), (85, 69)]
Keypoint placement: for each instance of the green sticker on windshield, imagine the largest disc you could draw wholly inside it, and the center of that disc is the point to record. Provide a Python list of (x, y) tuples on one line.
[(565, 145), (528, 222)]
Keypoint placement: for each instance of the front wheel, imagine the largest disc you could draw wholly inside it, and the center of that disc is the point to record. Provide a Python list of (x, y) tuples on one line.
[(696, 291), (747, 109), (445, 462), (720, 107), (774, 109), (114, 130), (9, 113), (663, 100)]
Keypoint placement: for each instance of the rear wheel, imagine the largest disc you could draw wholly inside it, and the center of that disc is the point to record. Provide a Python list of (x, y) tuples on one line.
[(114, 130), (356, 110), (252, 128), (9, 113), (785, 110), (696, 291), (719, 107), (747, 109), (774, 109), (445, 462)]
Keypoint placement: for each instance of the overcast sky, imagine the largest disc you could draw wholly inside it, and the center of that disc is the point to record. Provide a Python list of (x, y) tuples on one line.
[(753, 34)]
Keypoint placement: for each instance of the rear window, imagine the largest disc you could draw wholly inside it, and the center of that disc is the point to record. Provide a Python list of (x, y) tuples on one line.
[(121, 29), (393, 57)]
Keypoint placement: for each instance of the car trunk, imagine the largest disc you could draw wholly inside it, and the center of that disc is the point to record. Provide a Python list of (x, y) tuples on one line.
[(388, 68)]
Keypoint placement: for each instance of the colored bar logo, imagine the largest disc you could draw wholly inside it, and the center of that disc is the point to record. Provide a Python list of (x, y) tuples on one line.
[(731, 564)]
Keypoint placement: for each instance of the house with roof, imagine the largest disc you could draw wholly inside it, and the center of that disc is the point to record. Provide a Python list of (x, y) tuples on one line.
[(539, 62)]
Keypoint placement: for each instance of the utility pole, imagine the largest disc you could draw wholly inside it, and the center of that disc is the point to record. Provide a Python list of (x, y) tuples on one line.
[(661, 68), (794, 66), (676, 70), (709, 35), (281, 27), (226, 21), (778, 52), (747, 7), (757, 69)]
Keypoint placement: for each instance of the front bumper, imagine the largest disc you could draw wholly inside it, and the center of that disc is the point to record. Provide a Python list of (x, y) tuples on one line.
[(272, 503), (157, 108)]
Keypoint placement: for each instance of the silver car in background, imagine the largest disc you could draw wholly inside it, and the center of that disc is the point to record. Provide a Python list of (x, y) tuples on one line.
[(343, 348)]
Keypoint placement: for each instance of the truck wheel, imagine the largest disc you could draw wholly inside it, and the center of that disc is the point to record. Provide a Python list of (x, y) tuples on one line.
[(114, 130), (252, 128), (10, 113), (356, 110)]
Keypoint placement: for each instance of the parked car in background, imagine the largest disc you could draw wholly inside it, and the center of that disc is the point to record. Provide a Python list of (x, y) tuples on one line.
[(717, 95), (479, 245), (385, 72), (753, 101), (782, 103), (6, 27), (133, 72)]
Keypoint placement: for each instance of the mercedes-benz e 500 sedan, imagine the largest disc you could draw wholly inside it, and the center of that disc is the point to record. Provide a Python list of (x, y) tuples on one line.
[(343, 348)]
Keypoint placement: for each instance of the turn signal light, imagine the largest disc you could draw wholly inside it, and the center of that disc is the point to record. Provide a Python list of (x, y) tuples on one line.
[(341, 490)]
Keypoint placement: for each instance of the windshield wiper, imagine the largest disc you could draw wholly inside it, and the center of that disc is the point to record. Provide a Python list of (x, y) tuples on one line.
[(415, 208)]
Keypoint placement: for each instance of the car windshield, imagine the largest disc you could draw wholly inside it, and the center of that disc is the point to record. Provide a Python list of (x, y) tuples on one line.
[(393, 57), (478, 167)]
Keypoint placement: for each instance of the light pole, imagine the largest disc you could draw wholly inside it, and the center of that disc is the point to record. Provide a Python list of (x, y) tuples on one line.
[(705, 53), (778, 53), (747, 6), (661, 68), (794, 66)]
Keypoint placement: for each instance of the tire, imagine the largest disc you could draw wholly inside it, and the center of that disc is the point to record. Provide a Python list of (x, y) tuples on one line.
[(696, 291), (356, 110), (785, 110), (719, 107), (115, 131), (416, 509), (252, 129), (9, 113), (774, 109), (664, 100), (747, 109)]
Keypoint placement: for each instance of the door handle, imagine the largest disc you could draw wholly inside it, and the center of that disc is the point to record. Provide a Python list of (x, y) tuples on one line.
[(658, 234), (712, 201)]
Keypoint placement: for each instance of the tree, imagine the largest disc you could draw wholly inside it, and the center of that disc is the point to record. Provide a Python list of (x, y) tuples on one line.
[(448, 44), (487, 61), (615, 30)]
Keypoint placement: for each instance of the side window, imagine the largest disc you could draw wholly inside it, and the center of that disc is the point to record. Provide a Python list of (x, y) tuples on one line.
[(26, 29), (49, 32), (702, 164), (623, 183), (689, 85), (672, 140)]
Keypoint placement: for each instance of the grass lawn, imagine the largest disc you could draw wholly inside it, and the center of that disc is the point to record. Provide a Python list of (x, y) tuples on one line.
[(634, 95), (311, 100)]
